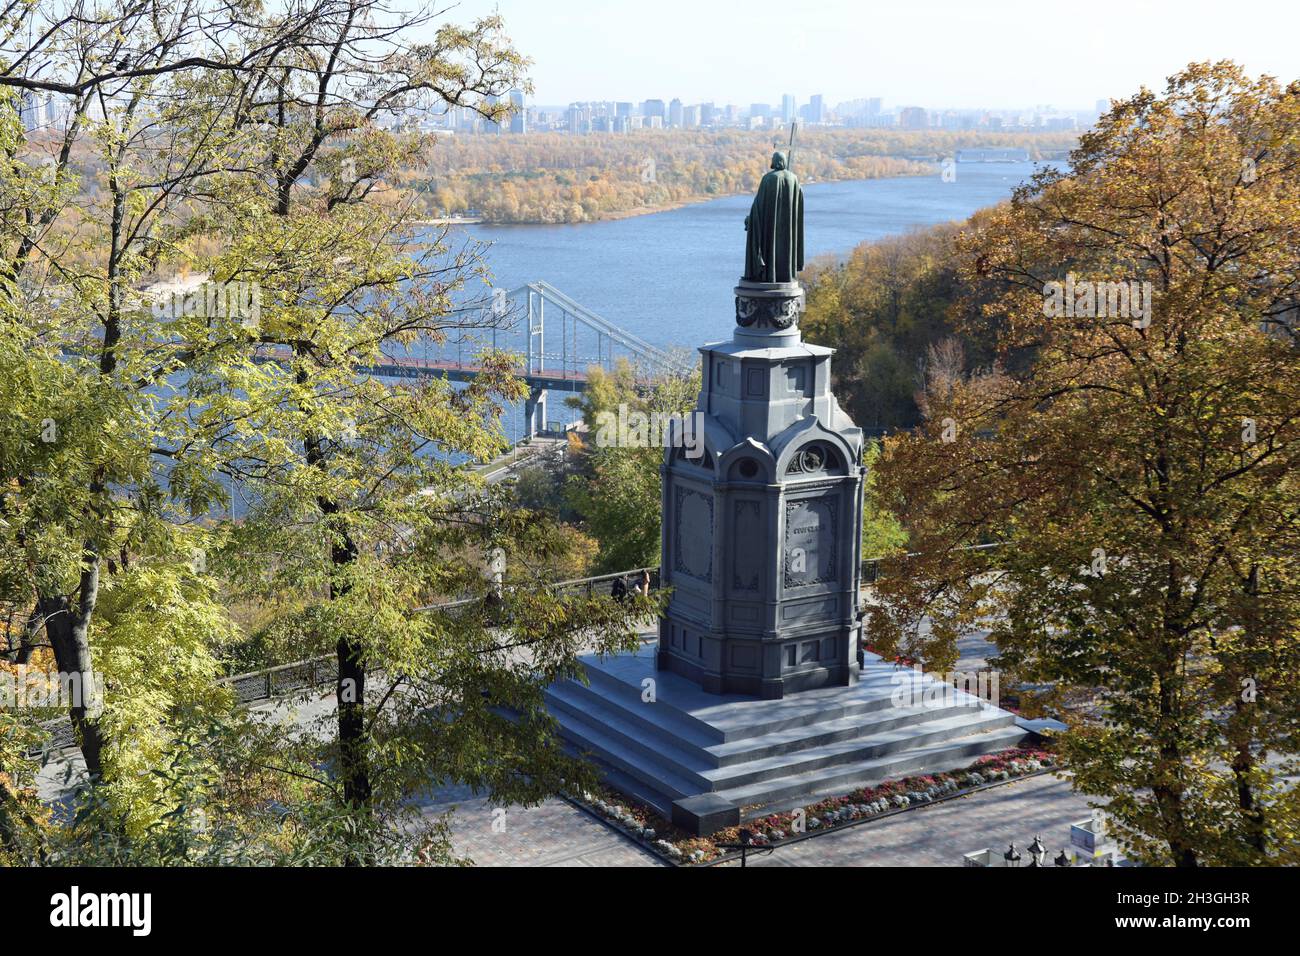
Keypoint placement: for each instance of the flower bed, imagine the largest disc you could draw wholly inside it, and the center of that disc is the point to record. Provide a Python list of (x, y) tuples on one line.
[(678, 846)]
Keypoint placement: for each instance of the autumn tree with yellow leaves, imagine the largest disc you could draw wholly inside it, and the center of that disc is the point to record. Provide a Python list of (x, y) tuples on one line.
[(1136, 455)]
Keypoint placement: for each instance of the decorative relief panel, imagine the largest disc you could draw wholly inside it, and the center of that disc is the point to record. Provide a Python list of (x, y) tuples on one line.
[(693, 534), (747, 539), (809, 542), (815, 459)]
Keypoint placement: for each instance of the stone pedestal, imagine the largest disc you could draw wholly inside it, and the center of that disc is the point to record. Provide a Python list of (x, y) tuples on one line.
[(762, 533)]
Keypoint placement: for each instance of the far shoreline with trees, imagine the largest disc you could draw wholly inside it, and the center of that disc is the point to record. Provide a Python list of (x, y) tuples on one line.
[(552, 178)]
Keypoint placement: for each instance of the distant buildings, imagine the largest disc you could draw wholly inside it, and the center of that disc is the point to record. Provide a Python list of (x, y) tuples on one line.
[(518, 115), (913, 117), (816, 110), (32, 111), (626, 116)]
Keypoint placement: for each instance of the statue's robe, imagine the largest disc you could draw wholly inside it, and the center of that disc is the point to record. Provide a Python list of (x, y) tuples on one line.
[(774, 244)]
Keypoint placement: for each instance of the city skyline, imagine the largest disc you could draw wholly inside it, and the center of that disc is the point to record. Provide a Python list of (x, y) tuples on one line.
[(937, 57), (623, 116)]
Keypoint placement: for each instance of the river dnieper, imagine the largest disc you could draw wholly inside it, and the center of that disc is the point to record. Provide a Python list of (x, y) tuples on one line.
[(667, 277)]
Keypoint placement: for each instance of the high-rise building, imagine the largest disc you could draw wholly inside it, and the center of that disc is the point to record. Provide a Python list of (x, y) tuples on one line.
[(652, 108), (708, 114), (675, 113), (788, 110), (31, 111), (492, 126), (690, 117), (913, 117), (518, 115), (816, 109), (578, 120)]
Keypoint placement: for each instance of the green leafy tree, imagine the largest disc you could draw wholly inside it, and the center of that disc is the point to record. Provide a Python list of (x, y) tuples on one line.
[(353, 502), (619, 498), (96, 537)]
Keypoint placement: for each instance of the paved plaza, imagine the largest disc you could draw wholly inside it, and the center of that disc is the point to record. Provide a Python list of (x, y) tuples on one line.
[(558, 834)]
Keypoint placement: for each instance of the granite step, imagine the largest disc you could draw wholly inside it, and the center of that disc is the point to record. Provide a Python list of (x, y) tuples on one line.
[(787, 793), (704, 758), (658, 725), (728, 718), (873, 745), (650, 743), (829, 732), (603, 730), (657, 720), (592, 740)]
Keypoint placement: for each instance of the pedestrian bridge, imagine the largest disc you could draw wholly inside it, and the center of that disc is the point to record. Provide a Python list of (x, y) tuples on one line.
[(556, 338)]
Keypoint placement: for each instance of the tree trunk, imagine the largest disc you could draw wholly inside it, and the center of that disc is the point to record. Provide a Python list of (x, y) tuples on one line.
[(350, 692), (68, 628), (351, 697), (27, 639), (1169, 800), (1242, 764), (1240, 730)]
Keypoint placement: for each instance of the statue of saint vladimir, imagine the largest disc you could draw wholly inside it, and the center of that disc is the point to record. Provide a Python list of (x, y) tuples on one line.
[(774, 244)]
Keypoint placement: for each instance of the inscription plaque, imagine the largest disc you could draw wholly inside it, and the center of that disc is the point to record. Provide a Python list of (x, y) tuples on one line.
[(809, 542)]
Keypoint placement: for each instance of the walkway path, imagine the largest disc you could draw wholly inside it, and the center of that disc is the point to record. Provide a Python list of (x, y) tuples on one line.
[(559, 834)]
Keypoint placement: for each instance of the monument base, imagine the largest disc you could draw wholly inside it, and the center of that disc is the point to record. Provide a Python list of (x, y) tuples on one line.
[(839, 669), (708, 761)]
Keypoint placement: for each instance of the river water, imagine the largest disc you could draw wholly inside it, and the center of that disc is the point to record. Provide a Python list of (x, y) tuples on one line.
[(668, 276)]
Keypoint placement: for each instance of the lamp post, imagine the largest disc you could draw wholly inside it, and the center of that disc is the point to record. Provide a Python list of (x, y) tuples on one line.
[(1037, 851), (1011, 857), (1062, 860), (745, 846)]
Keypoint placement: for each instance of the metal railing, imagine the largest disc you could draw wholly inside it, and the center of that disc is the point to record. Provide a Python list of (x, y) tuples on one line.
[(284, 679), (871, 566)]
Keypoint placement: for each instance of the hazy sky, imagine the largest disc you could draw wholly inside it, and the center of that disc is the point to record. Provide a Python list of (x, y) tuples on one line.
[(975, 53)]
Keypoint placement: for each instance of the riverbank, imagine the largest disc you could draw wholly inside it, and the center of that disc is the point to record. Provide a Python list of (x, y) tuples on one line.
[(651, 208)]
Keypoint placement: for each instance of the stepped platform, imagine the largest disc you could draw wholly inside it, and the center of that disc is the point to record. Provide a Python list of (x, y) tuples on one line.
[(708, 761)]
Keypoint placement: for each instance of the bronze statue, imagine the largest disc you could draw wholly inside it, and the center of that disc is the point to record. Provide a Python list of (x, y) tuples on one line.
[(774, 244)]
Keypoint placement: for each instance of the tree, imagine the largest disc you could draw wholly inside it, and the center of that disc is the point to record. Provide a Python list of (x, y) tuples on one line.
[(882, 310), (619, 496), (159, 463), (1136, 457), (352, 498), (97, 534)]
